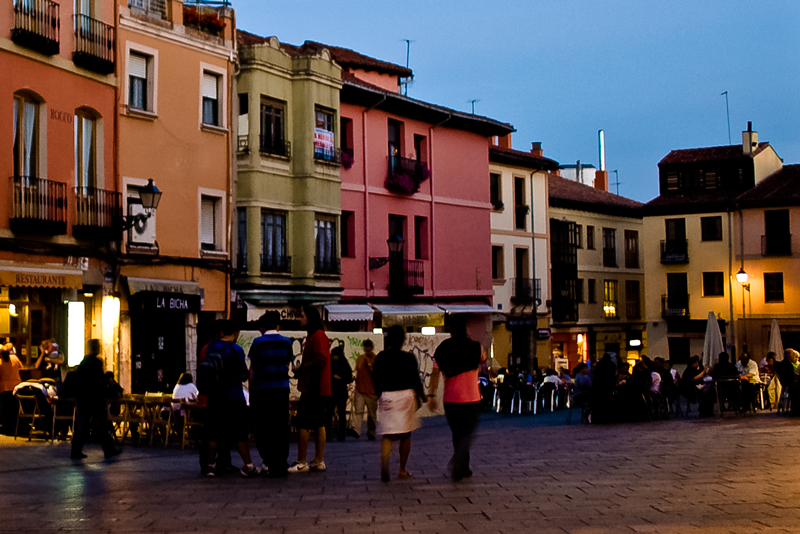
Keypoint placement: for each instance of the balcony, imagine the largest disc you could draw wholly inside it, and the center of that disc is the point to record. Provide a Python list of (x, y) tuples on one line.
[(609, 257), (274, 147), (333, 156), (675, 306), (776, 245), (274, 264), (97, 213), (95, 45), (37, 25), (406, 277), (156, 9), (405, 175), (675, 251), (38, 206), (327, 266), (203, 16), (526, 290)]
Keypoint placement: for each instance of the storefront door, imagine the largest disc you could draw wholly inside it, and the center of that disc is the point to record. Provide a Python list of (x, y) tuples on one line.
[(158, 343)]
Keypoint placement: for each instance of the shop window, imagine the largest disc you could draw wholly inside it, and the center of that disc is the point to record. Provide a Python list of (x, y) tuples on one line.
[(713, 284), (773, 287)]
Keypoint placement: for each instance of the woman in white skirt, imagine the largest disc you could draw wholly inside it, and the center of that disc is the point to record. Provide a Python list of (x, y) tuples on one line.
[(396, 379)]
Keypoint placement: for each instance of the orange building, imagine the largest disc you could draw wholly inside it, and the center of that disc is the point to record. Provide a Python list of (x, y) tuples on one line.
[(175, 65), (60, 191)]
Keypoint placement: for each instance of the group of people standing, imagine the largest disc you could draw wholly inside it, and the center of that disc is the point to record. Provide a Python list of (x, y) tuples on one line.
[(388, 387)]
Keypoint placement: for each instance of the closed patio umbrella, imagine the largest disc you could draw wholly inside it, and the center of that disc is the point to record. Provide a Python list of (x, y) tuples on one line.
[(775, 341), (712, 345)]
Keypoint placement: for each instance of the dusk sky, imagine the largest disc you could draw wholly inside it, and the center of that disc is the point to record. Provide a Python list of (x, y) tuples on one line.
[(648, 73)]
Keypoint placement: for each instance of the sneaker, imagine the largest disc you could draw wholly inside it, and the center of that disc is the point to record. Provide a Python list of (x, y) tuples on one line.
[(249, 472), (209, 474), (318, 467), (298, 468)]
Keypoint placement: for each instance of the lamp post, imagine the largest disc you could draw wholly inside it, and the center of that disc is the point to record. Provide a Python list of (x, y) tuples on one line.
[(150, 196), (395, 244), (742, 278)]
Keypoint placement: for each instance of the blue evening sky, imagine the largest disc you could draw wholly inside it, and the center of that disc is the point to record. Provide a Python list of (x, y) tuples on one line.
[(648, 72)]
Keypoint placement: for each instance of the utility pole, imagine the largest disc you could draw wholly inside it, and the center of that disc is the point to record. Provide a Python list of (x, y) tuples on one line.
[(473, 103), (728, 113)]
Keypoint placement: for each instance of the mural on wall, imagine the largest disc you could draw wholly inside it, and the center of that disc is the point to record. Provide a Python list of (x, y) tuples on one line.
[(423, 347)]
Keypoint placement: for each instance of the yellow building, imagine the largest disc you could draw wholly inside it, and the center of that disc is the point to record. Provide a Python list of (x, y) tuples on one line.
[(690, 240), (520, 254), (597, 272)]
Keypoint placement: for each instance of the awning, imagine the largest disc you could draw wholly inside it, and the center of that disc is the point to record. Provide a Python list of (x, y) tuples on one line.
[(419, 315), (349, 312), (152, 285), (467, 308), (16, 275)]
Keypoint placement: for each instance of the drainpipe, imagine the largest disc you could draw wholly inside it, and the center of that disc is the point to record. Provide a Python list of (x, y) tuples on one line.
[(233, 132), (533, 261), (432, 234), (732, 321), (367, 280)]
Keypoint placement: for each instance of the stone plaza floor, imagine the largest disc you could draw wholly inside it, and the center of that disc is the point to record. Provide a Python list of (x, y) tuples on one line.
[(532, 474)]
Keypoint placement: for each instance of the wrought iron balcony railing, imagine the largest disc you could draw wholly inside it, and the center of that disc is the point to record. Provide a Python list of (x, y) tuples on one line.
[(406, 277), (333, 156), (97, 213), (327, 265), (526, 290), (405, 175), (37, 25), (38, 206), (95, 45), (675, 305), (675, 251), (275, 264)]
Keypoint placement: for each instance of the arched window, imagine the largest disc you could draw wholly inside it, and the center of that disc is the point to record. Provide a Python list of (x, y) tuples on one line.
[(85, 125), (26, 136)]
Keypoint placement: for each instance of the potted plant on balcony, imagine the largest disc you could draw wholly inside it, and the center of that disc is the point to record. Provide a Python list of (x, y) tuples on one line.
[(206, 22), (347, 158)]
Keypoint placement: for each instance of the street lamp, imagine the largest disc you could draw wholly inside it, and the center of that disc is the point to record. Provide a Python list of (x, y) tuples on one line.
[(742, 278), (150, 196), (395, 244)]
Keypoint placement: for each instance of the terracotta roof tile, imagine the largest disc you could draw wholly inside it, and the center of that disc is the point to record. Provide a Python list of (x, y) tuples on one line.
[(569, 193), (509, 156), (779, 188), (712, 153)]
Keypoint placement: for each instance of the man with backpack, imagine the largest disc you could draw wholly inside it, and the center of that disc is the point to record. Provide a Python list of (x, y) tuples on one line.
[(220, 376)]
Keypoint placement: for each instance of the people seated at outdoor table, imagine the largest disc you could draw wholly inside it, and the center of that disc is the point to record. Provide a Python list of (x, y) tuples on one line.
[(185, 391), (773, 384), (751, 381), (50, 360), (787, 371), (692, 377), (603, 383), (723, 370)]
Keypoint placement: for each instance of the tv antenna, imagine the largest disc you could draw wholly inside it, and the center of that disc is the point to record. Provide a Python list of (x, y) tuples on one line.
[(473, 103), (616, 180), (405, 82), (727, 112)]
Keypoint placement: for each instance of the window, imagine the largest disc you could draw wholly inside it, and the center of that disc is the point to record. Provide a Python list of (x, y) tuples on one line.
[(84, 7), (138, 87), (609, 247), (394, 129), (610, 298), (348, 234), (592, 291), (677, 302), (590, 237), (210, 99), (675, 230), (494, 191), (210, 208), (273, 242), (85, 157), (324, 236), (241, 261), (498, 269), (579, 235), (520, 208), (521, 263), (711, 228), (773, 287), (631, 249), (579, 292), (421, 238), (324, 141), (713, 285), (26, 136), (777, 240), (420, 148), (397, 226), (272, 123), (633, 308), (346, 140)]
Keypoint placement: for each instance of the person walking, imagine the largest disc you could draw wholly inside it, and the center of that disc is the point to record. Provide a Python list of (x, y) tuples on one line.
[(10, 367), (91, 412), (220, 376), (270, 357), (364, 399), (400, 394), (458, 359), (341, 377), (223, 459), (314, 383)]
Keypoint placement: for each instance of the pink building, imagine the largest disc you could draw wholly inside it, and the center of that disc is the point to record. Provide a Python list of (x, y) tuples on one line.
[(414, 178)]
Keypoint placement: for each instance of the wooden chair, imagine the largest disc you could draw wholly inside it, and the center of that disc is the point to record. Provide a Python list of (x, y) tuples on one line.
[(134, 414), (156, 407), (117, 420), (33, 412), (189, 422), (68, 408)]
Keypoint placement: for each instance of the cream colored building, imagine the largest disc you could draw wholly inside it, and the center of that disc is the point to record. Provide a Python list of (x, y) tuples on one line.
[(598, 272), (520, 254), (691, 234)]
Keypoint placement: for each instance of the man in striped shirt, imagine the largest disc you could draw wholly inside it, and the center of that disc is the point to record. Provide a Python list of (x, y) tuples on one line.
[(270, 357)]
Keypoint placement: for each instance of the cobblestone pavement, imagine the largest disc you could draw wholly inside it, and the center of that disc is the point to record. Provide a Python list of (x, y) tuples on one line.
[(532, 474)]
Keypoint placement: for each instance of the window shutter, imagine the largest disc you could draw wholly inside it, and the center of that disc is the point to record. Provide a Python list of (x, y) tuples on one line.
[(209, 86), (207, 220), (137, 66)]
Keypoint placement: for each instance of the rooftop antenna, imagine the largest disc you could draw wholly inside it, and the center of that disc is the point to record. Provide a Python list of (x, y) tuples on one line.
[(728, 112), (616, 180), (473, 103), (408, 81)]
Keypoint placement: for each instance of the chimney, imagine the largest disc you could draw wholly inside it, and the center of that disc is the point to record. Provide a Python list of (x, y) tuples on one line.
[(504, 142), (536, 149), (749, 140), (601, 180)]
